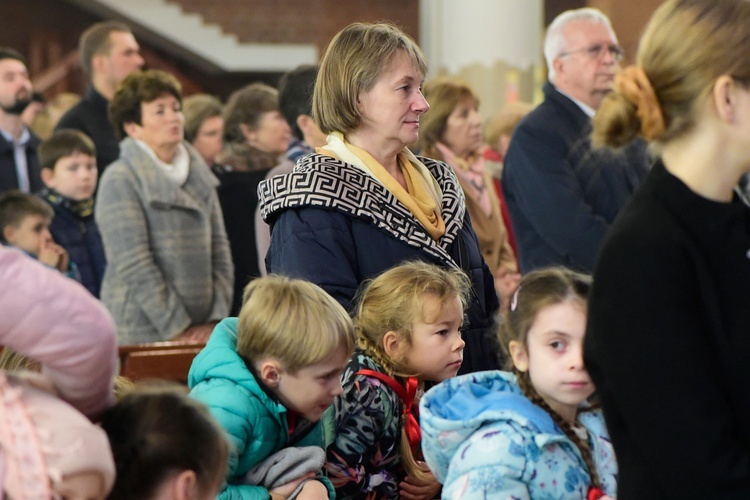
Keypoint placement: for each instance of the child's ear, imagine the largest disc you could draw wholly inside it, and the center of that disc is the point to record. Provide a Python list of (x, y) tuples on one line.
[(185, 484), (391, 342), (48, 177), (270, 372), (8, 232), (519, 356)]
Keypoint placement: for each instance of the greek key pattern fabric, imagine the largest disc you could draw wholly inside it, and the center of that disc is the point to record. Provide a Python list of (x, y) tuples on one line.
[(324, 182)]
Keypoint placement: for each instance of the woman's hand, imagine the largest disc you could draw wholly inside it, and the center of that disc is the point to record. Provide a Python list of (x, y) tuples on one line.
[(416, 489), (282, 492), (506, 283)]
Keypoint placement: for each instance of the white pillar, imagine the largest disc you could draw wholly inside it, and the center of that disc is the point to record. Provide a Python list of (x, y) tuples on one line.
[(493, 45)]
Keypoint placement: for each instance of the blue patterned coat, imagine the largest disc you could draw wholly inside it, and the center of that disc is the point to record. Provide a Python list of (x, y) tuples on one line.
[(483, 439)]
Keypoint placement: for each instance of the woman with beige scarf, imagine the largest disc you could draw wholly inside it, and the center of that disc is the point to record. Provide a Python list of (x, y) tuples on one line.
[(452, 132), (364, 203)]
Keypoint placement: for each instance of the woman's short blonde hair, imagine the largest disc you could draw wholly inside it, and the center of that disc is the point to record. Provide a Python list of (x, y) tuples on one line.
[(354, 61), (444, 96), (293, 321)]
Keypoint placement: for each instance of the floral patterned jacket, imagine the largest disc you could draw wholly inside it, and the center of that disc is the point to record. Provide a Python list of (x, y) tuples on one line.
[(363, 428), (483, 439)]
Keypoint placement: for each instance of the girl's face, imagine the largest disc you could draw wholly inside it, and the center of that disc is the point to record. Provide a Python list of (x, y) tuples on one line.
[(436, 349), (553, 357)]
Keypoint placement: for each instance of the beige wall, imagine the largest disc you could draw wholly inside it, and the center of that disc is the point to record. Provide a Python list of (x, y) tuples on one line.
[(628, 19)]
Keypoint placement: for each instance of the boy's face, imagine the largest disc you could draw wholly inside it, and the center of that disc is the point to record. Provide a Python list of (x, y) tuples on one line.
[(313, 388), (74, 176), (30, 234)]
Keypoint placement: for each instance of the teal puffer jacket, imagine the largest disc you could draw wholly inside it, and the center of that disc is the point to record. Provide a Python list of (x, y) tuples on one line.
[(255, 423)]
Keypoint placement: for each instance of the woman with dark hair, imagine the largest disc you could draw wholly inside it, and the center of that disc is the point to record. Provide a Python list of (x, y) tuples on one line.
[(169, 271)]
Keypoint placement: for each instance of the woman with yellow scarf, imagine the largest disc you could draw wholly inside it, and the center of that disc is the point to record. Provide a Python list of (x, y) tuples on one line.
[(364, 203)]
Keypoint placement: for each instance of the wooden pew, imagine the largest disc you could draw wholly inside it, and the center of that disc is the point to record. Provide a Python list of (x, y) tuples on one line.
[(158, 360)]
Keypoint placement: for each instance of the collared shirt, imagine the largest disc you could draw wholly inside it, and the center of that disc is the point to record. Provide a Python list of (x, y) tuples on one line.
[(590, 112), (19, 154)]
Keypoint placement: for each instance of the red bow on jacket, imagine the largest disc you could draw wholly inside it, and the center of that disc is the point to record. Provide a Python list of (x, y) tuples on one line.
[(407, 394)]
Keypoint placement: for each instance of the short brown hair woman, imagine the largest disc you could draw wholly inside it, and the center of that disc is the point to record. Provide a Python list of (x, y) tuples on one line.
[(452, 132), (169, 272)]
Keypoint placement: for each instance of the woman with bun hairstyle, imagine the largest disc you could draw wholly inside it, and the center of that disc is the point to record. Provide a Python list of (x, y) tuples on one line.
[(667, 339)]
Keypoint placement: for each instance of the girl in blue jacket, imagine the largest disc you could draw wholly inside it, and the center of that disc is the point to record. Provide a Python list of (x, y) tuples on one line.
[(530, 433), (408, 331)]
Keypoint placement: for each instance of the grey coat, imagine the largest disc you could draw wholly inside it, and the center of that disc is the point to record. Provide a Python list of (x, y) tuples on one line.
[(169, 265)]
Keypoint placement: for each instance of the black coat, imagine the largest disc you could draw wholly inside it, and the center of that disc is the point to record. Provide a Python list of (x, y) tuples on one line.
[(561, 195), (8, 174), (668, 343), (80, 237), (91, 117)]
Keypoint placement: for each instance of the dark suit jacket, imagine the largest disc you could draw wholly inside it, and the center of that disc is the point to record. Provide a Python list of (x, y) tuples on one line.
[(90, 116), (8, 175), (562, 196)]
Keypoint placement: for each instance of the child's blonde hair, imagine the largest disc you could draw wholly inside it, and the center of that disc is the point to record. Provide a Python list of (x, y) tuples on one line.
[(537, 290), (293, 321), (393, 302)]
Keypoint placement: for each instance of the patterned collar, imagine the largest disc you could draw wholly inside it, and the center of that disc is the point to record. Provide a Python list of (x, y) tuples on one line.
[(324, 182)]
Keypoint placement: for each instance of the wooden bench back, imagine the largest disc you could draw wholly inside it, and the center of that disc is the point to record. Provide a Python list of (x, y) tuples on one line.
[(158, 360)]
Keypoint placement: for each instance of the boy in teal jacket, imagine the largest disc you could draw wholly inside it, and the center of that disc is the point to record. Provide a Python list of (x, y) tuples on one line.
[(269, 375)]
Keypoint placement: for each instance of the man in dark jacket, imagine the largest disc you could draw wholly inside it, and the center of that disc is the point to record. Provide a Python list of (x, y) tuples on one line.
[(109, 53), (19, 166), (562, 195)]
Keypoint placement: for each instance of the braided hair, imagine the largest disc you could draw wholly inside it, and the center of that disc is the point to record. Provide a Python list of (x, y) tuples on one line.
[(392, 302), (537, 290)]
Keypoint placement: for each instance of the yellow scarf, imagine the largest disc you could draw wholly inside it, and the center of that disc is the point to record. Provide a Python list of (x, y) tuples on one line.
[(421, 196)]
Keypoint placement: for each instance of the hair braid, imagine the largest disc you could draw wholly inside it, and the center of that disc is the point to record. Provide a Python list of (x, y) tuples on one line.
[(377, 355), (524, 382), (388, 366)]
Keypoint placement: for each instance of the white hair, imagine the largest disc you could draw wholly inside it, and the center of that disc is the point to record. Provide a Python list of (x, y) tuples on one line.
[(555, 42)]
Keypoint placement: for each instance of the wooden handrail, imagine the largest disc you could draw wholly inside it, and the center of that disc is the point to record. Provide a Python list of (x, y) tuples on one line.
[(57, 72)]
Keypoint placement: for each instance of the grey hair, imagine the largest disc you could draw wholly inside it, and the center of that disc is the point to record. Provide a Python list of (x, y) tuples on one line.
[(554, 41)]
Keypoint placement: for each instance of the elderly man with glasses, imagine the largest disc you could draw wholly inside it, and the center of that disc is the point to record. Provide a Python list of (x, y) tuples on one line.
[(562, 195)]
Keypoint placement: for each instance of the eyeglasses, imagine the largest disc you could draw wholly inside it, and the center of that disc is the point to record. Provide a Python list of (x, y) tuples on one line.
[(598, 50)]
